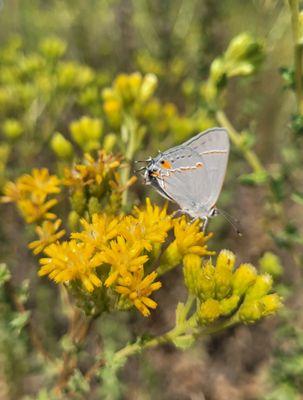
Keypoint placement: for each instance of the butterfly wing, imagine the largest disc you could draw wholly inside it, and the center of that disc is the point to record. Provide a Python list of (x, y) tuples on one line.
[(186, 181), (192, 174), (213, 145)]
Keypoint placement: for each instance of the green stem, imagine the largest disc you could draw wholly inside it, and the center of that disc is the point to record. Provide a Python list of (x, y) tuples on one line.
[(295, 22), (169, 337), (237, 140), (129, 154)]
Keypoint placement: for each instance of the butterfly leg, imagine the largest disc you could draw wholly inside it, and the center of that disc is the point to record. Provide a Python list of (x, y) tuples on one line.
[(205, 223)]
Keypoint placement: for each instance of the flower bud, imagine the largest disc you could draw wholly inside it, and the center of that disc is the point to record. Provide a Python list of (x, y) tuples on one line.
[(208, 311), (12, 128), (206, 283), (192, 272), (270, 304), (223, 273), (134, 83), (148, 87), (94, 206), (73, 221), (109, 142), (78, 201), (113, 109), (61, 146), (270, 263), (170, 258), (87, 132), (52, 47), (260, 288), (250, 311), (225, 260), (229, 305), (243, 277), (217, 71)]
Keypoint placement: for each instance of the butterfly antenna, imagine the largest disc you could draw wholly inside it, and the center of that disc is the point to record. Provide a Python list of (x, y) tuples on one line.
[(233, 221)]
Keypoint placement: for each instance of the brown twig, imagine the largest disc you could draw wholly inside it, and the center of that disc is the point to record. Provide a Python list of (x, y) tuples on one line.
[(78, 331)]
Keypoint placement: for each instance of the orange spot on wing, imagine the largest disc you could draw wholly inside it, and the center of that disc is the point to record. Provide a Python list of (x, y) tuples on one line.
[(166, 164), (199, 165)]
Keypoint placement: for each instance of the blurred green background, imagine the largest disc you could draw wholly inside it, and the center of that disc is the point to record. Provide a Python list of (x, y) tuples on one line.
[(56, 59)]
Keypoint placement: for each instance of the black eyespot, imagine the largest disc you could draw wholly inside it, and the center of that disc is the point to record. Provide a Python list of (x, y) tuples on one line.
[(162, 161)]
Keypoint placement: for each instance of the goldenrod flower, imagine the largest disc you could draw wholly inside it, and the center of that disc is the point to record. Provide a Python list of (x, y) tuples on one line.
[(150, 225), (33, 212), (70, 261), (190, 239), (12, 193), (48, 233), (97, 233), (138, 288), (123, 257), (209, 311), (39, 184), (92, 170)]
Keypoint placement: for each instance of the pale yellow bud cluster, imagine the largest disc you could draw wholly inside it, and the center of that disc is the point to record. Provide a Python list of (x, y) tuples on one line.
[(223, 291)]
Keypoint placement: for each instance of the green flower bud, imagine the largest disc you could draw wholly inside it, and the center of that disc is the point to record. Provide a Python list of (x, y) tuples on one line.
[(73, 221), (78, 202), (217, 72), (52, 47), (243, 277), (12, 128), (61, 146), (229, 305), (260, 288), (244, 48), (170, 258), (148, 87), (270, 263), (87, 132), (109, 142), (208, 311), (94, 206), (192, 271)]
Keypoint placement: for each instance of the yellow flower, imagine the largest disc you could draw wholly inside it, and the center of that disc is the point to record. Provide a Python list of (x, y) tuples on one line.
[(150, 225), (91, 171), (138, 289), (190, 239), (12, 193), (48, 234), (39, 184), (124, 257), (70, 261), (33, 212), (97, 233)]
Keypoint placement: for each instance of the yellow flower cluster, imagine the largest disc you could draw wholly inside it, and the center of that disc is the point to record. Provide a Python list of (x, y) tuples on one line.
[(189, 241), (118, 253), (31, 194), (222, 291), (128, 93), (96, 184)]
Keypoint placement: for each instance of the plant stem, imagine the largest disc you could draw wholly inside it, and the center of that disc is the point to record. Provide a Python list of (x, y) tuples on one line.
[(129, 154), (236, 139), (295, 22)]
